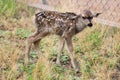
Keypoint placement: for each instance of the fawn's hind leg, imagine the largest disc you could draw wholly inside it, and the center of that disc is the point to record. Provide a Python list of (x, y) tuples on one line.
[(36, 44), (28, 46), (33, 39)]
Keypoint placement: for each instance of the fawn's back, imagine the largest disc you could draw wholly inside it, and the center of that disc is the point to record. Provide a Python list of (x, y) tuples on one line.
[(55, 22)]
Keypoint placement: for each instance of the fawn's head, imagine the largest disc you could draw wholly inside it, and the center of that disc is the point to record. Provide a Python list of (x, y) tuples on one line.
[(87, 17)]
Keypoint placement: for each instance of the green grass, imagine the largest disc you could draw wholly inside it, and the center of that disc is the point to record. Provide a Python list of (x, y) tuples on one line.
[(13, 9), (94, 39), (22, 33), (7, 8)]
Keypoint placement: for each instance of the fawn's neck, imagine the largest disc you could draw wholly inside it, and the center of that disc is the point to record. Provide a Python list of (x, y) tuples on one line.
[(80, 26)]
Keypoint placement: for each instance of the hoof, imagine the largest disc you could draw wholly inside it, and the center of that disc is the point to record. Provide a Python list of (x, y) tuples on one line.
[(77, 71), (58, 63)]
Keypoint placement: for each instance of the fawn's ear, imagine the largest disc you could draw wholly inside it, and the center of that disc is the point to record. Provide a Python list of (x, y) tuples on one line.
[(96, 14)]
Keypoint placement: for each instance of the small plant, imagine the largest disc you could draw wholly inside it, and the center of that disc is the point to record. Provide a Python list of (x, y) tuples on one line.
[(22, 33), (53, 54), (94, 39), (29, 70), (75, 38), (78, 49), (33, 54), (59, 72), (58, 69), (65, 59)]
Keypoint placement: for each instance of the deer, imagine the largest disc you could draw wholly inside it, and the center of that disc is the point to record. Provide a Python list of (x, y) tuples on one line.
[(65, 25)]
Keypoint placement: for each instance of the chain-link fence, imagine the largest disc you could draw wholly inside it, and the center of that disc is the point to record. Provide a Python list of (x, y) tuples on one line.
[(110, 9)]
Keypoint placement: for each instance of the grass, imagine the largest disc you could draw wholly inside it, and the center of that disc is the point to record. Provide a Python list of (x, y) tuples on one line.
[(7, 8), (22, 33), (97, 51)]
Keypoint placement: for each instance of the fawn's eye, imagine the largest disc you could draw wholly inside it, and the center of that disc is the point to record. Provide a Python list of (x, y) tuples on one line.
[(90, 17), (84, 17), (87, 18)]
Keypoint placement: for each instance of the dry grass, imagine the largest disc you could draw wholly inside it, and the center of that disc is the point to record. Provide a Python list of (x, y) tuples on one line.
[(97, 50)]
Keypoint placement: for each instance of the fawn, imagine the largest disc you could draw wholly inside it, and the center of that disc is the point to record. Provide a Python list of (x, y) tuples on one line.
[(65, 25)]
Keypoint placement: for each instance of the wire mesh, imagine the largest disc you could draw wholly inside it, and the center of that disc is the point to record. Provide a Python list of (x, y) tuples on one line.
[(110, 9)]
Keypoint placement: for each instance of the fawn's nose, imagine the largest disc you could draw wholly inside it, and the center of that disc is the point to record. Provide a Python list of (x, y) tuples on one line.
[(90, 24)]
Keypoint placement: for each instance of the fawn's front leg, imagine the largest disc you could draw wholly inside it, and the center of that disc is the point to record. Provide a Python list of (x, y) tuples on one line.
[(28, 47), (70, 50), (60, 49)]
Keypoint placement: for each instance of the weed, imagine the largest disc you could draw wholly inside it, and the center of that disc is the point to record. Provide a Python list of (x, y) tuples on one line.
[(65, 59), (29, 71), (78, 49), (33, 54), (58, 72), (22, 33), (94, 39)]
